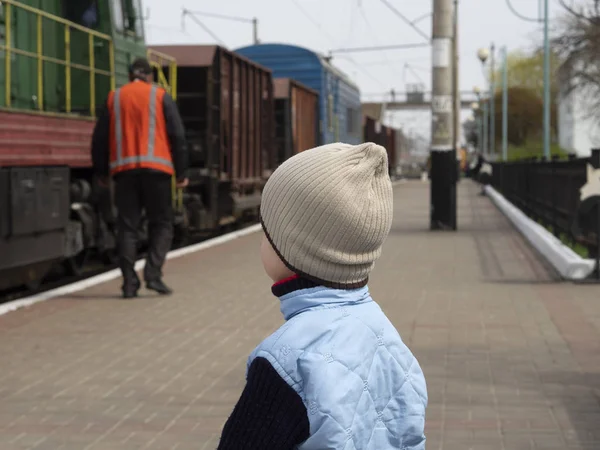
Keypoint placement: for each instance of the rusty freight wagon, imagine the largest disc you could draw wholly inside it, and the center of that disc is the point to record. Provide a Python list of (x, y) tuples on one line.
[(339, 97), (374, 131), (296, 118), (226, 103)]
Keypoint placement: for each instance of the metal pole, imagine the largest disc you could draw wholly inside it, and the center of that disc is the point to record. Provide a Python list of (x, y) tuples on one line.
[(443, 154), (255, 30), (486, 123), (479, 132), (456, 94), (546, 83), (505, 106), (455, 84), (492, 141)]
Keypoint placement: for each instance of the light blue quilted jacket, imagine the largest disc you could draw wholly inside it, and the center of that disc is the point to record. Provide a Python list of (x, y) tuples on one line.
[(362, 387)]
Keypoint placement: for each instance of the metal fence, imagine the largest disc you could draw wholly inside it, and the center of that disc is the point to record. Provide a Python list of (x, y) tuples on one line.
[(549, 193)]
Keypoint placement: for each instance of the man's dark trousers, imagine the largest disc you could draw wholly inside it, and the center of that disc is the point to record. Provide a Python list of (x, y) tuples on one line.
[(136, 191)]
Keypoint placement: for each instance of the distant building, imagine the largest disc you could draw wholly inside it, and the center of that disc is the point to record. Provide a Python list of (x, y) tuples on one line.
[(577, 132)]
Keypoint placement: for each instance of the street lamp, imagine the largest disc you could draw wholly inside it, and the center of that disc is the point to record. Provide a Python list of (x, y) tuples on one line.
[(483, 54), (475, 109), (505, 106)]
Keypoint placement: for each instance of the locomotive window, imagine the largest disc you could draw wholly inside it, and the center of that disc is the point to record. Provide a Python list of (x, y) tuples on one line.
[(117, 13), (84, 13), (133, 17), (138, 25)]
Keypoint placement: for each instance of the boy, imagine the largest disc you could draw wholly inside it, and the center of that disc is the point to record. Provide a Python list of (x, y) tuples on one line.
[(336, 375)]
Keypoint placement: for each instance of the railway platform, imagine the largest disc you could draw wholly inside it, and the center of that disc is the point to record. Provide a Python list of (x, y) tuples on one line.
[(511, 355)]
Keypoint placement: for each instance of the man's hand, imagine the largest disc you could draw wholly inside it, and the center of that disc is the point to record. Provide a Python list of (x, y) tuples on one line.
[(182, 183)]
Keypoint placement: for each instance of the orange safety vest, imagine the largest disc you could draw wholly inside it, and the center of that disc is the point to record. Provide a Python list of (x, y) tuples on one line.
[(138, 129)]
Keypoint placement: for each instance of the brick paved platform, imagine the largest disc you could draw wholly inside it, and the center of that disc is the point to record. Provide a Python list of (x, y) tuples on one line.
[(512, 358)]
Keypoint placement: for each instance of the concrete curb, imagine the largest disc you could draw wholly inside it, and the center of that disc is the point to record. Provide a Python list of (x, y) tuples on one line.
[(567, 263)]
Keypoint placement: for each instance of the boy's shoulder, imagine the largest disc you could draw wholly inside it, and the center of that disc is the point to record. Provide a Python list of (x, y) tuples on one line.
[(348, 332)]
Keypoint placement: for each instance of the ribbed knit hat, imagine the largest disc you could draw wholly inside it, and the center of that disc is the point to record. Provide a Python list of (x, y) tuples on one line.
[(326, 212)]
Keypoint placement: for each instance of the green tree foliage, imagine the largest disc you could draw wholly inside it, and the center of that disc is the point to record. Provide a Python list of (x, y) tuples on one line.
[(525, 116), (526, 70)]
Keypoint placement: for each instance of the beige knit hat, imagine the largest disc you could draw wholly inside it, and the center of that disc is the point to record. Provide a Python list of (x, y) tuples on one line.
[(327, 211)]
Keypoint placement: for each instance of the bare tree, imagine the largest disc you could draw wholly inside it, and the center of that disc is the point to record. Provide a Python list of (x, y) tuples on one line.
[(577, 43)]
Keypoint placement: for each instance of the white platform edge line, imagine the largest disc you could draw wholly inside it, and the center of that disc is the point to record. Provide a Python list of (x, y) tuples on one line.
[(567, 263), (115, 273)]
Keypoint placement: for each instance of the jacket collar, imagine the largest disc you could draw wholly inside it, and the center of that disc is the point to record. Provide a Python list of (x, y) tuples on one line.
[(298, 295)]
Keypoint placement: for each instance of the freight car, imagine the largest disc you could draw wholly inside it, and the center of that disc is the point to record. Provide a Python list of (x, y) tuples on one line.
[(389, 138), (226, 103), (339, 98), (296, 118), (57, 65)]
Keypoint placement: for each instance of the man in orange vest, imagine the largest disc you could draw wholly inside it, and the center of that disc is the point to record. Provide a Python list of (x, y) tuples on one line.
[(139, 141)]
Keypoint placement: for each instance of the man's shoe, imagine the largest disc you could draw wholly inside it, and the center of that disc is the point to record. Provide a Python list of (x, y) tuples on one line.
[(130, 290), (130, 293), (159, 286)]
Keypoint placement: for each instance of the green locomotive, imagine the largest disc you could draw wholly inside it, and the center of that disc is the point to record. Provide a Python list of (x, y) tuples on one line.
[(58, 61)]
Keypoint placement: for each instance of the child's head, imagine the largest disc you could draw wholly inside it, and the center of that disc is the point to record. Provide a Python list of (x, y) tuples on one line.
[(326, 213)]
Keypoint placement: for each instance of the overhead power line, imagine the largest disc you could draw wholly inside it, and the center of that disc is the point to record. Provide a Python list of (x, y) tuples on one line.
[(521, 16), (220, 16), (378, 48), (185, 13), (331, 39), (371, 28), (314, 22), (424, 16), (405, 19), (253, 21)]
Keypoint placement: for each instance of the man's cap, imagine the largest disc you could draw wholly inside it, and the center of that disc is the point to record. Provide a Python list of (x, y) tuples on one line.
[(140, 67)]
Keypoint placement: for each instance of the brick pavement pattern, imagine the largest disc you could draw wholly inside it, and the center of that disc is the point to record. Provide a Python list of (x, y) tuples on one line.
[(512, 357)]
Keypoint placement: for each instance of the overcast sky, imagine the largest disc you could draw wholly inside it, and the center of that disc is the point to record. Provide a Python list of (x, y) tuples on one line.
[(323, 25)]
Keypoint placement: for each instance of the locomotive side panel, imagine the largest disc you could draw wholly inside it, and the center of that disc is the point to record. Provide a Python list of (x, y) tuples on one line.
[(35, 203), (28, 139)]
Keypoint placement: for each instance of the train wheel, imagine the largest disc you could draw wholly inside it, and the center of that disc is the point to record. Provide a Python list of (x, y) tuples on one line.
[(33, 285), (34, 279), (76, 264)]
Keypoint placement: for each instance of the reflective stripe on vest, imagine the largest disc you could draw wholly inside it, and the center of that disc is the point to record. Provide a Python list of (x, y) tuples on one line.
[(149, 157)]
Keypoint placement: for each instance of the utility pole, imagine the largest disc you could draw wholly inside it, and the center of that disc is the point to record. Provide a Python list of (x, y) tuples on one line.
[(443, 151), (455, 84), (255, 30), (486, 127), (546, 83), (492, 101), (505, 106)]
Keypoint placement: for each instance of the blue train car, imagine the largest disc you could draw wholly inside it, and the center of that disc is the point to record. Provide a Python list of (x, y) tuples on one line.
[(339, 98)]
